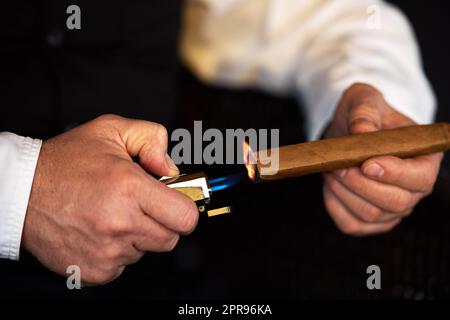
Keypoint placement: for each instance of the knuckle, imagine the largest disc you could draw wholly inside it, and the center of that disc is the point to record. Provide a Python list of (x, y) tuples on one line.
[(119, 225), (108, 117), (110, 254), (401, 203), (387, 228), (351, 180), (408, 212), (99, 277), (114, 225), (361, 111), (331, 183), (429, 191), (170, 243), (160, 131), (371, 214), (428, 184), (135, 259), (126, 182), (101, 225), (350, 229), (395, 174)]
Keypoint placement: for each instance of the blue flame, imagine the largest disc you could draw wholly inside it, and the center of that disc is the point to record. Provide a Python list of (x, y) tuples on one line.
[(225, 182)]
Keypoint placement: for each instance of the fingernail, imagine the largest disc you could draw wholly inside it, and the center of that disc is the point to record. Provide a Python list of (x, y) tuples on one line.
[(172, 164), (362, 125), (374, 170), (341, 172)]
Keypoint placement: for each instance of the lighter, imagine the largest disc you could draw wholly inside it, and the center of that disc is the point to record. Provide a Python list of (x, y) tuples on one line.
[(197, 187)]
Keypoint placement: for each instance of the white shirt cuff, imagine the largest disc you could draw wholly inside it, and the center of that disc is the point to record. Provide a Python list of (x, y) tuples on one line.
[(18, 160)]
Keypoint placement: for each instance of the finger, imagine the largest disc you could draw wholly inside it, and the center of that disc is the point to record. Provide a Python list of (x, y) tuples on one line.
[(416, 174), (347, 223), (387, 197), (364, 117), (148, 140), (166, 206), (357, 206), (153, 237)]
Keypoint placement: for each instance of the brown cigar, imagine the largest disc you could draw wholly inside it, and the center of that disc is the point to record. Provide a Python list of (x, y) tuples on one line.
[(348, 151)]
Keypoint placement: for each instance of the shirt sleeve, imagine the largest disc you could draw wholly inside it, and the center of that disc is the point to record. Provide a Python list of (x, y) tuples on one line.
[(312, 49), (18, 159)]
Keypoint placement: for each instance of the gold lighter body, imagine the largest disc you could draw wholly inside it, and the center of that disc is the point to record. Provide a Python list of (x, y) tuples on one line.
[(196, 187)]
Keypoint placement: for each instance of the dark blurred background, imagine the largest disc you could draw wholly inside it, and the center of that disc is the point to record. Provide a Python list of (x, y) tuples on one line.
[(279, 241)]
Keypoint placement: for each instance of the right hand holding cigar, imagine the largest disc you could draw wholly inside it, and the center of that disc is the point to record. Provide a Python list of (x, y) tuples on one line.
[(375, 197), (92, 206)]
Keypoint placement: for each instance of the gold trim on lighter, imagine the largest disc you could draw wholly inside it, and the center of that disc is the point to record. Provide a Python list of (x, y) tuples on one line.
[(219, 211)]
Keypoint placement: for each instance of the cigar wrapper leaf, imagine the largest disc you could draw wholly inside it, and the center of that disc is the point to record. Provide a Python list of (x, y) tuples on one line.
[(349, 151)]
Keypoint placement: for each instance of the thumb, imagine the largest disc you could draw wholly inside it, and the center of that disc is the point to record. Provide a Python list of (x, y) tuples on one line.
[(148, 141), (364, 117)]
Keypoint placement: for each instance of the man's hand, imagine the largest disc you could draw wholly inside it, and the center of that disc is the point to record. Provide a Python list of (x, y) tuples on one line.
[(92, 206), (377, 196)]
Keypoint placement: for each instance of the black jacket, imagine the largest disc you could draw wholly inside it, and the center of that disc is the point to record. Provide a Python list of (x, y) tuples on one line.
[(122, 61)]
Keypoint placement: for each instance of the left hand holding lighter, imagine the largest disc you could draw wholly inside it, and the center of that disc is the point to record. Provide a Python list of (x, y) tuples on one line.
[(375, 197), (93, 207)]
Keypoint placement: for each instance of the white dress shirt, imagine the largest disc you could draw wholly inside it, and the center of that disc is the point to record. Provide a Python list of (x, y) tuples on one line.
[(311, 49)]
